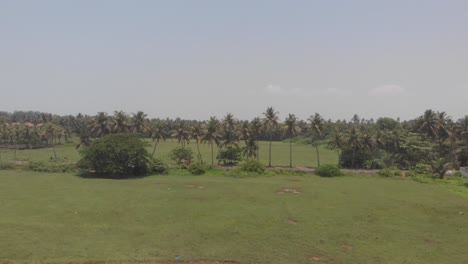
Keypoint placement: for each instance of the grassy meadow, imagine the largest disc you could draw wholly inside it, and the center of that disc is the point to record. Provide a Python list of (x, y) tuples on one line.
[(303, 155), (62, 218)]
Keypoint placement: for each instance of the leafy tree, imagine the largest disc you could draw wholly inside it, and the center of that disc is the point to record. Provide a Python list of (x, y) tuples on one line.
[(116, 156)]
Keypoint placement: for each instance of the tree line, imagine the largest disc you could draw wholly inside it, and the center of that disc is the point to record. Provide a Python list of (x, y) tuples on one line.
[(433, 139)]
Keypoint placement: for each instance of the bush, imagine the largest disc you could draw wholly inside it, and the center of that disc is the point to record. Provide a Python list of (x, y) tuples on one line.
[(229, 156), (51, 167), (422, 168), (328, 170), (390, 172), (157, 166), (116, 156), (179, 155), (196, 169), (4, 165), (252, 165)]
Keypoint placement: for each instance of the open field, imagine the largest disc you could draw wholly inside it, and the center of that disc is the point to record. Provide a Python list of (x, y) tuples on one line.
[(278, 219), (303, 155)]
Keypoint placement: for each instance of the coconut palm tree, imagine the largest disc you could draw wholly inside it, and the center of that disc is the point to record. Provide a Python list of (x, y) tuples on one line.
[(256, 127), (316, 123), (100, 125), (212, 135), (354, 142), (138, 122), (271, 121), (120, 124), (197, 134), (292, 129), (181, 133), (158, 133), (251, 147), (230, 137)]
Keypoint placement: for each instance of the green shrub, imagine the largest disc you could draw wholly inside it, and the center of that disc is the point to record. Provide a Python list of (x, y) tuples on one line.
[(51, 167), (4, 165), (422, 168), (252, 165), (196, 169), (179, 155), (390, 172), (328, 170), (116, 156), (229, 156), (157, 166)]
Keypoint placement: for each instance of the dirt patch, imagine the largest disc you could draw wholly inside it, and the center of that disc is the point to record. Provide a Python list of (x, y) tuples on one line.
[(194, 186), (347, 247), (318, 259), (292, 221), (429, 241), (288, 190)]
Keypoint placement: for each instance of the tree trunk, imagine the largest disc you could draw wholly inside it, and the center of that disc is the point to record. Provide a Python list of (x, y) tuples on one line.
[(318, 156), (199, 154), (352, 160), (154, 149), (212, 157), (55, 153), (290, 152), (269, 152)]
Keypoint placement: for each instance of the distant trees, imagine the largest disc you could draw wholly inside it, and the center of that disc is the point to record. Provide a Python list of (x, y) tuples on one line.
[(271, 121), (292, 130)]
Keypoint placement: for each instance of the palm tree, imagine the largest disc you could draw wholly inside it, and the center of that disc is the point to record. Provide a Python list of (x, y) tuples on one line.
[(120, 124), (197, 134), (50, 133), (256, 130), (354, 142), (100, 125), (292, 130), (316, 123), (181, 133), (271, 121), (230, 137), (138, 122), (157, 134), (251, 147), (212, 135)]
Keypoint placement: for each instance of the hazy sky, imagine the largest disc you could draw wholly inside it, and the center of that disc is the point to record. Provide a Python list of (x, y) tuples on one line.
[(195, 59)]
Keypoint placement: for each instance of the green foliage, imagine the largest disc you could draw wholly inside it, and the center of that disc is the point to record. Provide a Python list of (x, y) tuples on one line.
[(390, 172), (180, 154), (252, 165), (196, 169), (4, 165), (116, 156), (328, 170), (157, 166), (230, 155), (51, 167), (422, 168)]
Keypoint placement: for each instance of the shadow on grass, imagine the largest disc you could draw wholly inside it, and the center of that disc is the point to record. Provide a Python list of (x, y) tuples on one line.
[(92, 175)]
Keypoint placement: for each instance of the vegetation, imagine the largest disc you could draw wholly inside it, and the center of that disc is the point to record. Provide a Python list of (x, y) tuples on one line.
[(328, 170), (116, 156), (181, 155), (252, 166), (196, 169)]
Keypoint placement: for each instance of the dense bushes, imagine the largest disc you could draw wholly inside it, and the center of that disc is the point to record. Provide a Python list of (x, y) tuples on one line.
[(196, 169), (390, 172), (252, 166), (53, 167), (157, 166), (181, 155), (4, 165), (116, 156), (328, 170), (229, 156)]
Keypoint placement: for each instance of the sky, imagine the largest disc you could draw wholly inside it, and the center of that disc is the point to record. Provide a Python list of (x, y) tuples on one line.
[(196, 59)]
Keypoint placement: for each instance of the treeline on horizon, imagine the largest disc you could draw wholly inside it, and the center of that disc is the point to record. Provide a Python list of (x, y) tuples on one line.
[(433, 139)]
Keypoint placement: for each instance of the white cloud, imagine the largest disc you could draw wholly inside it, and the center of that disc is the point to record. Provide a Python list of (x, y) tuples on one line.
[(336, 92), (278, 90), (387, 90)]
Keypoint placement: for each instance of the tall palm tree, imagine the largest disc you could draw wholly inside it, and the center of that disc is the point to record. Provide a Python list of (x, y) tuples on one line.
[(138, 122), (251, 147), (157, 134), (197, 134), (182, 133), (256, 130), (271, 121), (100, 125), (212, 135), (230, 137), (120, 124), (354, 142), (292, 130), (316, 123)]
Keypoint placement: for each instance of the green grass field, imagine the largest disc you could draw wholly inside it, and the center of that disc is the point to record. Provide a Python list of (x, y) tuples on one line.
[(351, 219), (303, 155)]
